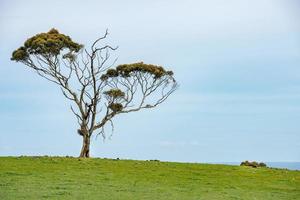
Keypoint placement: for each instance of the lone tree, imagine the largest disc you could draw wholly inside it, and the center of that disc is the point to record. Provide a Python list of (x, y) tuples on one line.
[(86, 76)]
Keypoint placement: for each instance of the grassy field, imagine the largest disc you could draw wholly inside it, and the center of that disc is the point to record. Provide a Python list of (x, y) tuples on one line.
[(73, 178)]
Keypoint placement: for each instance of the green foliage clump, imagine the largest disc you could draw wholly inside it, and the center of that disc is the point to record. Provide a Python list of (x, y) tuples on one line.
[(115, 107), (112, 73), (126, 70), (261, 164), (114, 93), (253, 164), (45, 44), (20, 54)]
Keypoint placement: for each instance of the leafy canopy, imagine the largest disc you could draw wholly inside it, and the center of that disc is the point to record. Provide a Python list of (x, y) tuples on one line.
[(114, 93), (46, 44), (126, 70)]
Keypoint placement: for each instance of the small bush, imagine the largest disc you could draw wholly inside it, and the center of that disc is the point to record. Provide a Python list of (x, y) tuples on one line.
[(253, 164), (262, 164)]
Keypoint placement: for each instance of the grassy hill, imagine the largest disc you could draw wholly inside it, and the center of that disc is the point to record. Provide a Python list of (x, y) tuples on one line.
[(73, 178)]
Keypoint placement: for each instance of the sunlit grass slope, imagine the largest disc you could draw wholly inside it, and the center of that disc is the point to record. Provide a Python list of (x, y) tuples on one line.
[(73, 178)]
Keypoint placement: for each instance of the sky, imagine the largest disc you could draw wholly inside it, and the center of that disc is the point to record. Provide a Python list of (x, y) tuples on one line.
[(237, 63)]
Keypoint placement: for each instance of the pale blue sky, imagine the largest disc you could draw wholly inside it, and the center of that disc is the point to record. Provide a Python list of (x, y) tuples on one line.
[(237, 63)]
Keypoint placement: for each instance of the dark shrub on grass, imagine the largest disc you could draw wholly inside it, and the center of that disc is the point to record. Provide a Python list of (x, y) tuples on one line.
[(262, 164), (253, 164)]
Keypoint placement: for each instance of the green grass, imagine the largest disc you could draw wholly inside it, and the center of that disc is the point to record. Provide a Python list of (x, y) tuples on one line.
[(73, 178)]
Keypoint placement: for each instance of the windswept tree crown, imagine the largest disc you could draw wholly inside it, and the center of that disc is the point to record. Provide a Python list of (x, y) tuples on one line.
[(127, 70), (47, 44)]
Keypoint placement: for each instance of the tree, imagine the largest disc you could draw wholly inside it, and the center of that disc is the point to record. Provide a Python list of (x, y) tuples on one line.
[(98, 92)]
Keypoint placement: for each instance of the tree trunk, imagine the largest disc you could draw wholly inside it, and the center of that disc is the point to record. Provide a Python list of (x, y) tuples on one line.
[(85, 150)]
